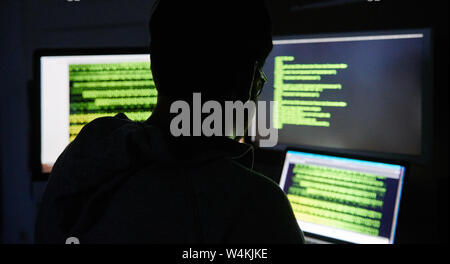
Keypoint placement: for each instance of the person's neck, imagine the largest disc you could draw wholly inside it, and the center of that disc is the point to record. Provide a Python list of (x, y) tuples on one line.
[(161, 117)]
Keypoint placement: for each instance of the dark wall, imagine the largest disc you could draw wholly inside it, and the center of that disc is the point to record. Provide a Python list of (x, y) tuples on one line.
[(17, 206), (27, 25)]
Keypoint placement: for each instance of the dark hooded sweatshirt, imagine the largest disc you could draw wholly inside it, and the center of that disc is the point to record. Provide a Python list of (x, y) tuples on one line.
[(121, 181)]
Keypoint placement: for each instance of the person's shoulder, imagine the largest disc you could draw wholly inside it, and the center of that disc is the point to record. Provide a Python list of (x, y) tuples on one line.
[(255, 181), (94, 139), (265, 214), (101, 127)]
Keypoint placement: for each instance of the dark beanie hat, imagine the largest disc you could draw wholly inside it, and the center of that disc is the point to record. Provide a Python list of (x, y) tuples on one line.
[(240, 26), (216, 32)]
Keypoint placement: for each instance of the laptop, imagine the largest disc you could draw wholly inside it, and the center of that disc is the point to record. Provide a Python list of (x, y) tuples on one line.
[(343, 200)]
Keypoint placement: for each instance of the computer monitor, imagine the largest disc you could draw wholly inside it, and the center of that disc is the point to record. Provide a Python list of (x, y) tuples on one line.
[(342, 199), (352, 93), (78, 88)]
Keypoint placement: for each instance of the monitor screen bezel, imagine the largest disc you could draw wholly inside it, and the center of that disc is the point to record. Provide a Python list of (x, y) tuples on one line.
[(404, 165), (427, 101), (35, 95)]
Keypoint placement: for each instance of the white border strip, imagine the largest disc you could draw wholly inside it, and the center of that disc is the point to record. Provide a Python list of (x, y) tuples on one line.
[(347, 39)]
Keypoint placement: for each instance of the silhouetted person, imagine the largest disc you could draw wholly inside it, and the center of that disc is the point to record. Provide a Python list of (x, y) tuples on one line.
[(121, 181)]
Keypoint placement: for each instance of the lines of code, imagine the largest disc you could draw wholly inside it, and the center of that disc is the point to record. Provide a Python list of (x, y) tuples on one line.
[(338, 198), (99, 90), (298, 89)]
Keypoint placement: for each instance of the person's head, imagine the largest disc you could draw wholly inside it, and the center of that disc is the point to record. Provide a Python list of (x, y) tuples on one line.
[(209, 47)]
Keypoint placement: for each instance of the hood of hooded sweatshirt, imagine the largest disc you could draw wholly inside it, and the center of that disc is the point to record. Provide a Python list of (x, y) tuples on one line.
[(106, 153)]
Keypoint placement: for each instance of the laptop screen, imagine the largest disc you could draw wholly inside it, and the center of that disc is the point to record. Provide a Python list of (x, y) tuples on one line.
[(343, 199)]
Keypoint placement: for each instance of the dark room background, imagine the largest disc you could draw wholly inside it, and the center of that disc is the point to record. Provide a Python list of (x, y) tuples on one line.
[(28, 25)]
